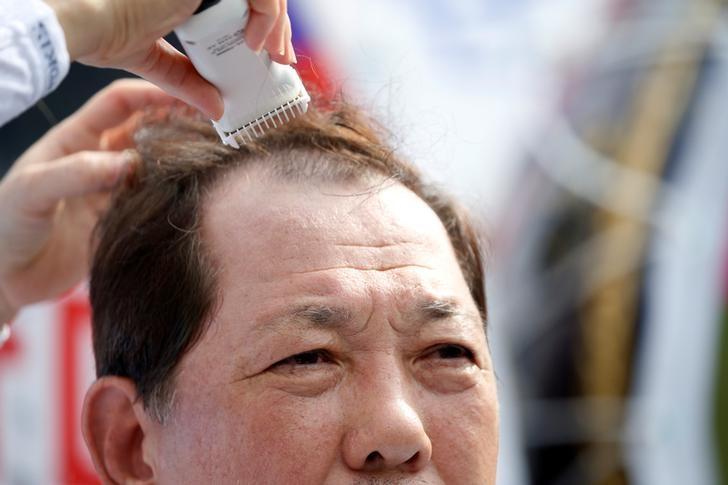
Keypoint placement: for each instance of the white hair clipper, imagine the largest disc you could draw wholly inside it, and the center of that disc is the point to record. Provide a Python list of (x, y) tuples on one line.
[(259, 94)]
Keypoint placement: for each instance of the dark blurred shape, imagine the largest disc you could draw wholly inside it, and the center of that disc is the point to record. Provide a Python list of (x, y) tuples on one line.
[(80, 84), (205, 5), (721, 402)]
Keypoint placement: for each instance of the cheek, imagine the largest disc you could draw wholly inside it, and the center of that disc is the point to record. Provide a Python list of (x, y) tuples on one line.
[(463, 429), (299, 435), (266, 437)]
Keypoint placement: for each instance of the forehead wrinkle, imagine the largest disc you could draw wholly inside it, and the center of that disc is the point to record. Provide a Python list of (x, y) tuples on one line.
[(374, 245), (380, 268)]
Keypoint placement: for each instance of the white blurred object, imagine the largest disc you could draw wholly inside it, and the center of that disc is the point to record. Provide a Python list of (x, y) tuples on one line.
[(467, 85)]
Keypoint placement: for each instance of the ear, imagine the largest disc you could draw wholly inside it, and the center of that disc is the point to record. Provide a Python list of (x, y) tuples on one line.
[(117, 432)]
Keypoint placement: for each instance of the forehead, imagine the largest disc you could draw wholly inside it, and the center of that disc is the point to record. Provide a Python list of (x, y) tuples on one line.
[(282, 245), (263, 220)]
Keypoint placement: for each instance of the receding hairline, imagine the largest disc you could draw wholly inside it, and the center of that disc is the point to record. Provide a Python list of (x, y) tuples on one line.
[(307, 167), (302, 168)]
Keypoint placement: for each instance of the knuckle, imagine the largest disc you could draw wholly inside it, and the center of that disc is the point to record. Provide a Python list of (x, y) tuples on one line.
[(116, 88), (120, 84), (93, 168)]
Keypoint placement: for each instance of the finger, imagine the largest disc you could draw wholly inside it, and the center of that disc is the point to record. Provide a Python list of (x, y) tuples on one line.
[(76, 175), (114, 105), (121, 137), (108, 108), (263, 17), (290, 52), (172, 71), (277, 41), (98, 203)]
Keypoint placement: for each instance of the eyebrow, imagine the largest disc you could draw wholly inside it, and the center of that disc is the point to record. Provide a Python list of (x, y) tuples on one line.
[(331, 317), (437, 309), (322, 315)]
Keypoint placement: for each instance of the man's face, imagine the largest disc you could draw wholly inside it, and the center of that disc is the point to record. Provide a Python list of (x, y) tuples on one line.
[(346, 347)]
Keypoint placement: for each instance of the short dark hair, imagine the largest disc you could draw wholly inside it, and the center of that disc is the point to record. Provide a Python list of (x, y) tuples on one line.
[(152, 282)]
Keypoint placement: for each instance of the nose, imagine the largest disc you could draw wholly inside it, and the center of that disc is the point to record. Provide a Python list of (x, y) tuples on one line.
[(386, 433)]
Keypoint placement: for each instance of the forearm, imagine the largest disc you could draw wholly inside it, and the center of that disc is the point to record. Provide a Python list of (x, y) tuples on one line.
[(33, 55)]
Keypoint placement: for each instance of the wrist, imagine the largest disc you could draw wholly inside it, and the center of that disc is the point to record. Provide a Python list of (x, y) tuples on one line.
[(77, 21)]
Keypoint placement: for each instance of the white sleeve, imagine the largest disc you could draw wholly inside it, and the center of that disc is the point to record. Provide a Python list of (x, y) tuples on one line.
[(33, 55)]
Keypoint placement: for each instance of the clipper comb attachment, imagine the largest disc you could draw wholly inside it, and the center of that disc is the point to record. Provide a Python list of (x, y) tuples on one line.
[(271, 119)]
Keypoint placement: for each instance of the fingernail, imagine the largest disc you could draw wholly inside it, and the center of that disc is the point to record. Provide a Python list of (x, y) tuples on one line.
[(130, 156), (4, 333), (129, 160), (293, 58), (219, 110)]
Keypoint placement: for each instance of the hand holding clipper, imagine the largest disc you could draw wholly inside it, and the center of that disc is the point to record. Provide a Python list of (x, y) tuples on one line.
[(258, 94)]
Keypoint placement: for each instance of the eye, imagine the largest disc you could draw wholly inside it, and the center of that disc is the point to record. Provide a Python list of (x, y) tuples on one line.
[(310, 358), (448, 368), (306, 374), (449, 352)]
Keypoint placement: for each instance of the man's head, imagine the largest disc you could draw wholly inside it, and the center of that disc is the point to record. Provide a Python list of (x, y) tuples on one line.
[(305, 310)]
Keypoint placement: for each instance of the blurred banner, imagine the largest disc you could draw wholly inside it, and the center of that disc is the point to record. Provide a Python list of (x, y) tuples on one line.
[(589, 138), (45, 370)]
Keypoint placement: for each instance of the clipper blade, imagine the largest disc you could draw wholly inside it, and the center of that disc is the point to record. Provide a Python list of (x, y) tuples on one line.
[(261, 125)]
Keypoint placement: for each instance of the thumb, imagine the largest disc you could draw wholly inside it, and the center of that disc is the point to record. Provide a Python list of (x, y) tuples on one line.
[(76, 175)]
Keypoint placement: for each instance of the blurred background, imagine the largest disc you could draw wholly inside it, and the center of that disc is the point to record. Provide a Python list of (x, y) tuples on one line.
[(590, 140)]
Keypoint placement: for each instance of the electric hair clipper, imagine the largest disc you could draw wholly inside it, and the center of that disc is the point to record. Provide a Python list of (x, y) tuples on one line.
[(259, 94)]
